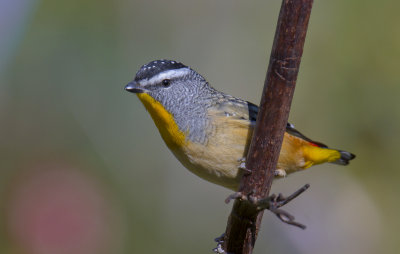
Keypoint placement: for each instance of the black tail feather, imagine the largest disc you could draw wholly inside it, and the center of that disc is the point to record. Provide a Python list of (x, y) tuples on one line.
[(345, 158)]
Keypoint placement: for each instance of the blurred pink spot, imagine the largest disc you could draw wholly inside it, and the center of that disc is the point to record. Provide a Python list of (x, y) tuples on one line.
[(58, 211)]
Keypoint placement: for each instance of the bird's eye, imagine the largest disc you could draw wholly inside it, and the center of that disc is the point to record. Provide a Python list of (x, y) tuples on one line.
[(166, 82)]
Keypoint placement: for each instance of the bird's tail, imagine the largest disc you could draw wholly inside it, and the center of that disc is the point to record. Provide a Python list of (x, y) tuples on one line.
[(344, 159), (316, 155)]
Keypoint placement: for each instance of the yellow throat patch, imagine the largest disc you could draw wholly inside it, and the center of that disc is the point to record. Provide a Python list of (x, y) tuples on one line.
[(165, 122)]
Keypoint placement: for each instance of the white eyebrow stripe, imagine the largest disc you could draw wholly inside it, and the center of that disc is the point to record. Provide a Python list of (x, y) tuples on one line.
[(170, 74)]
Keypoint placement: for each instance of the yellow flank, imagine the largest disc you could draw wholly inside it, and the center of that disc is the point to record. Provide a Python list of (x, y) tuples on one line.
[(164, 120), (316, 155)]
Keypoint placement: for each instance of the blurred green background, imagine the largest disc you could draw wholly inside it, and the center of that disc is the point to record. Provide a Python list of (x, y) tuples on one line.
[(84, 170)]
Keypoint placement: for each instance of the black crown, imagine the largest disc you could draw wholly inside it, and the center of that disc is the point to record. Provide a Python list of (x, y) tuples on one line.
[(155, 67)]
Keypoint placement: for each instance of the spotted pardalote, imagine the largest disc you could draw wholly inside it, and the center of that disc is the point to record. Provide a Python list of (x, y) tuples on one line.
[(209, 131)]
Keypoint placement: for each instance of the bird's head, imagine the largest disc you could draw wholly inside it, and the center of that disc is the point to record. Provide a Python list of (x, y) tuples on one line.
[(169, 82), (171, 90)]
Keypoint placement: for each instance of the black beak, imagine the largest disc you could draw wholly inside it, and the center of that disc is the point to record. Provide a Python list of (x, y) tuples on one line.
[(134, 87)]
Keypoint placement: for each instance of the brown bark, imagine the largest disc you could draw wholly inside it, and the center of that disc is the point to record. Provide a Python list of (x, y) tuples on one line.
[(244, 221)]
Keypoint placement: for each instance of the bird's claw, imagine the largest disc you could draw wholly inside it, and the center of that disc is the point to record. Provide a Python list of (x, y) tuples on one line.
[(242, 165), (280, 172), (272, 203), (242, 197), (219, 249)]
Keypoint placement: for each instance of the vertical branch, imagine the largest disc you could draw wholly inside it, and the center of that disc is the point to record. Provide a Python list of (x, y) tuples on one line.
[(245, 219)]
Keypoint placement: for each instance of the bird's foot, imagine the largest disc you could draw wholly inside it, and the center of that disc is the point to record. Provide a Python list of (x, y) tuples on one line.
[(280, 172), (242, 165), (219, 249), (272, 203)]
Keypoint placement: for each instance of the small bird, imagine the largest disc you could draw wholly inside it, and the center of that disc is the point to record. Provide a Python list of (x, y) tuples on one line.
[(209, 131)]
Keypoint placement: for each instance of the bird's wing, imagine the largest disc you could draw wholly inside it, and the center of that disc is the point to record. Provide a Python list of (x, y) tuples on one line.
[(247, 111), (237, 109), (292, 131)]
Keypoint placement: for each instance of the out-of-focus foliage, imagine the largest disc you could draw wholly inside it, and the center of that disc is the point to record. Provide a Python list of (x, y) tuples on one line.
[(82, 166)]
